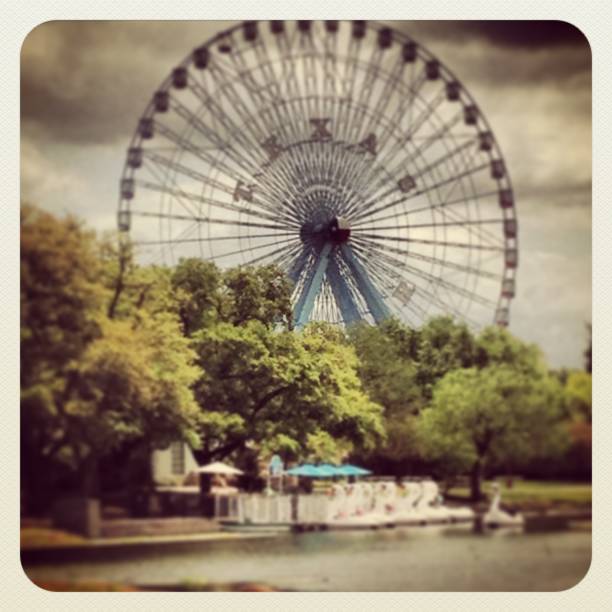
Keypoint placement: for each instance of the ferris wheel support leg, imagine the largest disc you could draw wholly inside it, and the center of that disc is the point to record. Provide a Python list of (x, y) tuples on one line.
[(312, 286), (342, 293), (368, 290), (297, 266)]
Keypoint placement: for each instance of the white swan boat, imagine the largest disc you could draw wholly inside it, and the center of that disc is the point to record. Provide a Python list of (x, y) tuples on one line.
[(496, 517), (349, 507), (407, 511)]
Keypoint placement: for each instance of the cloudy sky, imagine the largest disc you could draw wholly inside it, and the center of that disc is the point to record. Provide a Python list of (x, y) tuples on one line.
[(84, 85)]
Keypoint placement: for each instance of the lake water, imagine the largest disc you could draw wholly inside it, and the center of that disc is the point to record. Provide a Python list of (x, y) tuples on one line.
[(406, 559)]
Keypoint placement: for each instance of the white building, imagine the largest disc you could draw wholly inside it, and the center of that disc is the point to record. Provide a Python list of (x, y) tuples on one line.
[(171, 465)]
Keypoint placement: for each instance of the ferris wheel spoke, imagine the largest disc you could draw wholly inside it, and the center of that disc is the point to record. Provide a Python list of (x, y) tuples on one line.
[(238, 134), (475, 227), (328, 61), (297, 264), (355, 128), (472, 226), (236, 68), (367, 212), (167, 163), (162, 175), (415, 126), (203, 154), (390, 267), (366, 287), (238, 177), (466, 146), (414, 211), (242, 158), (283, 47), (271, 254), (257, 123), (258, 248), (289, 260), (410, 137), (282, 120), (390, 83), (461, 223), (348, 83), (428, 295), (368, 244), (435, 164), (438, 280), (198, 176), (405, 107), (273, 83), (374, 182), (309, 72), (441, 133), (460, 245), (248, 138), (213, 221), (229, 206)]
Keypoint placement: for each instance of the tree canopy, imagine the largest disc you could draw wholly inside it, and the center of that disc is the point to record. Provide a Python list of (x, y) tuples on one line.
[(94, 377), (494, 412), (279, 391)]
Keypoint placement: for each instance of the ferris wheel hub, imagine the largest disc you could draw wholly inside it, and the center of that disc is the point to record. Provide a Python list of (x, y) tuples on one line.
[(335, 230)]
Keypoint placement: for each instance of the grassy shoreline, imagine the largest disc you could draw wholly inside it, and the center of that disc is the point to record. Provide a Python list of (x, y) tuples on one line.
[(534, 494)]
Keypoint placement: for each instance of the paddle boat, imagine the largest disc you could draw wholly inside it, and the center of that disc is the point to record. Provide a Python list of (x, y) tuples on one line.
[(407, 513), (427, 513), (496, 517), (349, 507), (449, 513)]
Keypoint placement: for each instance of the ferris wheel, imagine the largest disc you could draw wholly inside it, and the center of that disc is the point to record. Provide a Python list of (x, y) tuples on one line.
[(343, 152)]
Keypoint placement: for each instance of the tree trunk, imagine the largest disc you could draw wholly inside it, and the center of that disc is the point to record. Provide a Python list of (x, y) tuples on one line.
[(475, 479), (89, 476)]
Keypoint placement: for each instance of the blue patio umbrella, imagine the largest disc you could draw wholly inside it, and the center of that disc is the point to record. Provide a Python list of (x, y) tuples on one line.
[(308, 470), (352, 470), (328, 470), (325, 470)]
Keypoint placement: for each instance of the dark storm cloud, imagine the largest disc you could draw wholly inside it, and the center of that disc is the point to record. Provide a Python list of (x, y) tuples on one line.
[(86, 82), (518, 34), (506, 59)]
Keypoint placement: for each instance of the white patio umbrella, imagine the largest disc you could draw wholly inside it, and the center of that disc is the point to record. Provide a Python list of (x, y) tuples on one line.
[(219, 468)]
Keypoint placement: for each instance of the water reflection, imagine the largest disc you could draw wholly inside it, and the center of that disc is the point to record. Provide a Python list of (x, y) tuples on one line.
[(436, 558)]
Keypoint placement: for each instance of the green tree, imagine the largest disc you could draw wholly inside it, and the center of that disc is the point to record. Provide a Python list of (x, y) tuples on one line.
[(493, 413), (61, 298), (578, 401), (278, 391), (444, 345), (61, 308), (497, 346), (207, 295), (579, 396), (260, 293), (389, 376), (103, 357), (197, 290)]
